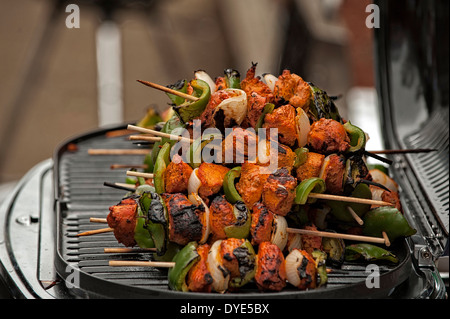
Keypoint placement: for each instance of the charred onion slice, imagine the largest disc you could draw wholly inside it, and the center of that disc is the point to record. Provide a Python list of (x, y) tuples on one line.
[(279, 233), (220, 275), (197, 200), (303, 127)]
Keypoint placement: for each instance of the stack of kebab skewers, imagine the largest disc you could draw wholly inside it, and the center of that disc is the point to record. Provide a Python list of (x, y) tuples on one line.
[(224, 225)]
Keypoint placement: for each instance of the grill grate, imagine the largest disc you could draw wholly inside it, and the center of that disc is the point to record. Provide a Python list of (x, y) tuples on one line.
[(82, 195)]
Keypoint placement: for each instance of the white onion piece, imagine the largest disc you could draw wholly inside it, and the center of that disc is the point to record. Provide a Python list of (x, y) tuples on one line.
[(270, 80), (279, 233), (320, 215), (234, 107), (197, 200), (202, 75), (294, 242), (376, 193), (302, 126), (325, 164), (293, 262), (381, 178), (194, 182), (220, 275)]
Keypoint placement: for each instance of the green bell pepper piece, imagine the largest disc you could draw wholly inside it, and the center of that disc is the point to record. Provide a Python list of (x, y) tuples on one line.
[(156, 221), (340, 211), (246, 257), (184, 260), (229, 188), (150, 119), (190, 110), (314, 185), (241, 229), (321, 259), (389, 220), (357, 137), (368, 252), (180, 86), (322, 106), (142, 236), (161, 163), (301, 155), (268, 108), (232, 79)]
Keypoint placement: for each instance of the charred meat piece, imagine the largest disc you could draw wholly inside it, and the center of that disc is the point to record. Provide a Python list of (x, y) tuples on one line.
[(291, 88), (239, 146), (184, 218), (199, 278), (253, 84), (283, 154), (239, 259), (262, 223), (251, 183), (279, 192), (332, 172), (176, 176), (207, 117), (302, 269), (386, 196), (311, 168), (122, 218), (211, 175), (328, 136), (283, 119), (221, 215), (310, 242), (221, 83), (270, 268), (255, 107)]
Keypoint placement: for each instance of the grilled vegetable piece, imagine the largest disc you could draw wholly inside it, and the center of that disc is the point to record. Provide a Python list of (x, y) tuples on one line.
[(335, 249), (211, 176), (239, 259), (355, 171), (283, 119), (184, 260), (307, 186), (291, 88), (156, 220), (328, 136), (357, 137), (322, 106), (122, 218), (162, 160), (199, 277), (340, 209), (229, 187), (251, 183), (368, 252), (184, 218), (389, 220), (270, 268), (190, 110), (320, 258), (232, 78), (279, 192), (176, 175), (301, 270), (262, 224)]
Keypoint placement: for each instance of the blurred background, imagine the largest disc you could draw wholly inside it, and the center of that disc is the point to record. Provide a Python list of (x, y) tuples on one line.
[(58, 82)]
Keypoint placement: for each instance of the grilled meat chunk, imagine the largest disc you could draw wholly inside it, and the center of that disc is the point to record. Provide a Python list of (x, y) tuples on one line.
[(251, 183), (184, 218), (279, 192), (261, 227), (328, 136), (283, 119), (283, 154), (311, 168), (211, 175), (270, 268), (122, 218), (332, 172), (310, 242), (303, 264), (253, 84), (176, 176), (199, 278), (221, 215), (207, 117), (291, 88), (239, 146)]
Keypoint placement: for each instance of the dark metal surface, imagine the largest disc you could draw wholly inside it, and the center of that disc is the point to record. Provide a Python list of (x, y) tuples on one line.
[(80, 194)]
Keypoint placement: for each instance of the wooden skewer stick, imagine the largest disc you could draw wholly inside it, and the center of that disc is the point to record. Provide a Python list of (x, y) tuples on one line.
[(157, 133), (98, 220), (119, 166), (139, 174), (168, 90), (404, 151), (100, 151), (96, 231), (386, 239), (349, 199), (145, 138), (337, 235), (128, 250), (355, 216), (126, 263)]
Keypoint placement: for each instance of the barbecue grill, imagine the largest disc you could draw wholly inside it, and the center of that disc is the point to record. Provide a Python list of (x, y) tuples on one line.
[(41, 256)]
